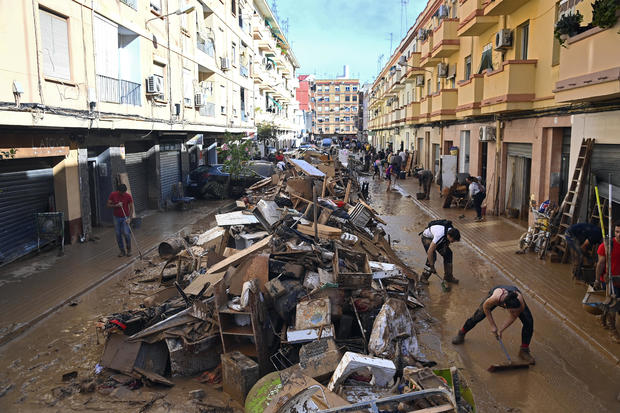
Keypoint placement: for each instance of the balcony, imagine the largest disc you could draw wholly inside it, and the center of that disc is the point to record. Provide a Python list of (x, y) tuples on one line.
[(412, 112), (502, 7), (426, 60), (445, 40), (470, 96), (444, 105), (118, 91), (593, 78), (509, 88), (472, 21), (413, 62), (426, 107)]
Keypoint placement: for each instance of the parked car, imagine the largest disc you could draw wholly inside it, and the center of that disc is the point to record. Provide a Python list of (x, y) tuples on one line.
[(212, 181)]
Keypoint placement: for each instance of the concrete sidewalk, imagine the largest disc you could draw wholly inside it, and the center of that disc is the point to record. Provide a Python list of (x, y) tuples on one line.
[(496, 238), (34, 287)]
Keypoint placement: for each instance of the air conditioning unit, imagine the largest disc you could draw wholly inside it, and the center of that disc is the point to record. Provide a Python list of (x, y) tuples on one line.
[(155, 84), (402, 60), (487, 133), (224, 63), (199, 99), (419, 80), (442, 70), (503, 39)]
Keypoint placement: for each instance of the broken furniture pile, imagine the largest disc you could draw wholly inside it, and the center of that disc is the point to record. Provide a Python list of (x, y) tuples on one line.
[(299, 286)]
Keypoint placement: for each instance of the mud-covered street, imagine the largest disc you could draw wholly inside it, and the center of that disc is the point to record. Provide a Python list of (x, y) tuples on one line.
[(569, 376)]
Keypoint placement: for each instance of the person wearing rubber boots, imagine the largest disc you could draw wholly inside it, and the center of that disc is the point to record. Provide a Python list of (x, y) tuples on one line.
[(436, 238), (608, 318), (122, 202), (510, 298)]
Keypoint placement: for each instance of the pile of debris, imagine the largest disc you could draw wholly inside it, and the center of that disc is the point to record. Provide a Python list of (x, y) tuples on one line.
[(295, 302)]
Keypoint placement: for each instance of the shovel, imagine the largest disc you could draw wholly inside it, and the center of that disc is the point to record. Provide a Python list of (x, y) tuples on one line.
[(507, 366)]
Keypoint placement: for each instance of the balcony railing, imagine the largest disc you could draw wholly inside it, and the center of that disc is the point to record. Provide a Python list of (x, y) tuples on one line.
[(444, 105), (589, 69), (470, 96), (118, 91), (413, 112), (510, 88), (445, 40), (207, 110), (502, 7), (472, 21)]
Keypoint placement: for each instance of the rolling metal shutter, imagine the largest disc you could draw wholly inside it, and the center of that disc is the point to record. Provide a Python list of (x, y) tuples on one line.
[(137, 172), (605, 161), (22, 195), (170, 172), (523, 150)]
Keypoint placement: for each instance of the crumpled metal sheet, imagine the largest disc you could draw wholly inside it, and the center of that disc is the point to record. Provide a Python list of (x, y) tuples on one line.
[(393, 324)]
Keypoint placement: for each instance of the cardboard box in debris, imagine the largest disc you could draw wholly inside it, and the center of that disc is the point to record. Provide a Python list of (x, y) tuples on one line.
[(299, 281)]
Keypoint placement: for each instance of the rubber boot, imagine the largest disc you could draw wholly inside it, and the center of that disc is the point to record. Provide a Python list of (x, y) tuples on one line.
[(525, 355), (121, 253), (459, 338), (448, 277), (605, 320), (424, 277)]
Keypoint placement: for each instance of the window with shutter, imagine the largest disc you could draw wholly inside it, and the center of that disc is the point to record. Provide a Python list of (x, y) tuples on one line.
[(188, 87), (55, 45), (106, 47)]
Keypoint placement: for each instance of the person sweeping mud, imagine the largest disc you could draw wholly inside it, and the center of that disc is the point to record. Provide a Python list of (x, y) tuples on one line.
[(510, 298), (122, 202), (436, 238)]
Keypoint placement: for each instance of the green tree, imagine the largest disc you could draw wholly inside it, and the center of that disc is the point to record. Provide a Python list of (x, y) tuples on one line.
[(265, 132), (234, 154)]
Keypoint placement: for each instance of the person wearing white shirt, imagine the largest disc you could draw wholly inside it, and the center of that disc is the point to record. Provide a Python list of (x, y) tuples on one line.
[(436, 238), (477, 193)]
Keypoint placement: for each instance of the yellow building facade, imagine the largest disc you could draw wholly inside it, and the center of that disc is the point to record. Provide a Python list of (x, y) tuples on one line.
[(490, 80), (95, 92), (335, 105)]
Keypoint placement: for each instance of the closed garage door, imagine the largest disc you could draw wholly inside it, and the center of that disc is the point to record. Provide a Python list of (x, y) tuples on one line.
[(170, 172), (22, 195), (137, 172), (604, 162)]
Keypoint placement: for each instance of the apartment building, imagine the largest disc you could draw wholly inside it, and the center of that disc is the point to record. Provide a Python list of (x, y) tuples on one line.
[(335, 104), (489, 79), (97, 93), (303, 97)]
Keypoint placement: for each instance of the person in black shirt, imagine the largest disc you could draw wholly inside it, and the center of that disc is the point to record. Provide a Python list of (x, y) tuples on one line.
[(582, 238)]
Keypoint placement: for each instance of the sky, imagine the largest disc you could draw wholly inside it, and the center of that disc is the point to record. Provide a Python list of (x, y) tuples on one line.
[(327, 34)]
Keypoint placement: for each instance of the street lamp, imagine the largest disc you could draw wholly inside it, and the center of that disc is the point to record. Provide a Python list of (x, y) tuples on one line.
[(187, 9)]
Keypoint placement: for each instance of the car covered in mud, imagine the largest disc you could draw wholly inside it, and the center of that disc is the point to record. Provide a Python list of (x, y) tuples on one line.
[(213, 181)]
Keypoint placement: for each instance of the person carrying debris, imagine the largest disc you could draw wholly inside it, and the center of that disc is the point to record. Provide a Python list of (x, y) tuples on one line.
[(510, 298), (608, 318), (389, 173), (581, 238), (425, 179), (436, 238), (122, 202)]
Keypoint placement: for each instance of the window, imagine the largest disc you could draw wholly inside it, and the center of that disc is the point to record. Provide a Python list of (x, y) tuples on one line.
[(486, 61), (354, 98), (346, 109), (347, 128), (183, 16), (156, 5), (438, 85), (428, 88), (337, 98), (158, 72), (233, 6), (453, 82), (467, 67), (347, 98), (355, 88), (242, 96), (319, 88), (347, 88), (523, 34), (337, 119), (188, 87), (55, 46), (233, 54), (347, 119), (337, 88), (131, 3)]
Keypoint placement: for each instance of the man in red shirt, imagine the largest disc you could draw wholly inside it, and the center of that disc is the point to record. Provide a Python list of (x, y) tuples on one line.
[(122, 203), (608, 318)]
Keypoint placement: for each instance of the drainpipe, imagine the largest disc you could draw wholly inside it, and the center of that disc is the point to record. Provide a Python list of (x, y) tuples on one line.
[(35, 21), (498, 153)]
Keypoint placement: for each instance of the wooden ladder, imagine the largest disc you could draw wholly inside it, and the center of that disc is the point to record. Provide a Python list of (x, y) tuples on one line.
[(572, 200)]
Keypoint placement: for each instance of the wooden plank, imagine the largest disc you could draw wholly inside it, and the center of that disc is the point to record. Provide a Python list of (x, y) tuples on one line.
[(200, 281), (234, 259), (347, 192), (325, 232), (306, 168)]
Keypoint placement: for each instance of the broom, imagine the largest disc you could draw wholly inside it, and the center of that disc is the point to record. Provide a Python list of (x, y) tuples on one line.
[(507, 366)]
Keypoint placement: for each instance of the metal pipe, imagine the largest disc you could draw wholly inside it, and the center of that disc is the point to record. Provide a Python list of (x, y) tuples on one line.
[(610, 284)]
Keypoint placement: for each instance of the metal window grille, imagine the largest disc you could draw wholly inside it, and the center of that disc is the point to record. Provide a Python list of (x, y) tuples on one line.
[(131, 3), (118, 91)]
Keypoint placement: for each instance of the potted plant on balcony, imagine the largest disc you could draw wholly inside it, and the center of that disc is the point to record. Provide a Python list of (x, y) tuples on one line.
[(604, 13), (569, 25)]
